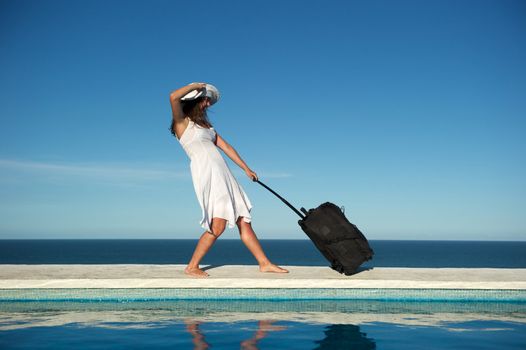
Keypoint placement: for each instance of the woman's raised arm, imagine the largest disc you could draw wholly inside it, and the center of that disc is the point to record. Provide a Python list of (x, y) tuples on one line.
[(175, 99)]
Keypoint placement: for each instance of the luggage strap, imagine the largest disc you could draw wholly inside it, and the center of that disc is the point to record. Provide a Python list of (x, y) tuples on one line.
[(281, 198)]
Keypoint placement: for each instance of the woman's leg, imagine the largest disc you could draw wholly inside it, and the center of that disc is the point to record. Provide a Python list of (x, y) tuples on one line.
[(248, 236), (203, 246)]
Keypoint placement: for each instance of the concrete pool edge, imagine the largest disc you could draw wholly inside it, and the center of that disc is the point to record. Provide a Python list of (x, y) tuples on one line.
[(167, 282)]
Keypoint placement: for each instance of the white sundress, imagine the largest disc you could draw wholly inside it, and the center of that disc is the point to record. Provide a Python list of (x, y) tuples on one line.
[(217, 190)]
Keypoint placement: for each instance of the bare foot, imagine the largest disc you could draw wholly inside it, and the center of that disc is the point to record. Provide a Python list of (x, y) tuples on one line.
[(195, 272), (272, 268)]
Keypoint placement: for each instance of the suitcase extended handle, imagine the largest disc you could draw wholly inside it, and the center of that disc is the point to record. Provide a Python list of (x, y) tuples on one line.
[(282, 199)]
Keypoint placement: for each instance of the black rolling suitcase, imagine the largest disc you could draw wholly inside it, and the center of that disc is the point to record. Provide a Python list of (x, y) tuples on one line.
[(340, 241)]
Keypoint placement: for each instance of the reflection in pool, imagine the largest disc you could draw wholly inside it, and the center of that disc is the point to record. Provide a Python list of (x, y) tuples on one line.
[(335, 336), (262, 325)]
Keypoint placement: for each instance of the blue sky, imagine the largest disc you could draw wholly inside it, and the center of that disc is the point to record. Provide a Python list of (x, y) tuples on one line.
[(411, 114)]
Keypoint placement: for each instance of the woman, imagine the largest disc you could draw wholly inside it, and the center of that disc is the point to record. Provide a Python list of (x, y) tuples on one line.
[(222, 199)]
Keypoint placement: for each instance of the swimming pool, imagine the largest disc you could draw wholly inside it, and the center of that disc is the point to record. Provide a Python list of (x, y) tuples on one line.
[(166, 294), (250, 324), (138, 306)]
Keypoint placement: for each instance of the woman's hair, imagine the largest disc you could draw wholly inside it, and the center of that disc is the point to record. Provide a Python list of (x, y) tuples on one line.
[(192, 110)]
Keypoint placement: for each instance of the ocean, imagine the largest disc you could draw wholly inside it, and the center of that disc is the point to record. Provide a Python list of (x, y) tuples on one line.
[(388, 253)]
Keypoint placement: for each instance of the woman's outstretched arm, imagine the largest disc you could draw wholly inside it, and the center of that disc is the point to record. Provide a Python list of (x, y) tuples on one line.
[(232, 154)]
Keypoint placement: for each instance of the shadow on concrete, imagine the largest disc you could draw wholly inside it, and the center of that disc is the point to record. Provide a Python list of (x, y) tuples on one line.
[(362, 269), (209, 267)]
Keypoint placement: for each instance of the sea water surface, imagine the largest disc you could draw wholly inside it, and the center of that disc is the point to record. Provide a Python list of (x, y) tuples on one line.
[(474, 254)]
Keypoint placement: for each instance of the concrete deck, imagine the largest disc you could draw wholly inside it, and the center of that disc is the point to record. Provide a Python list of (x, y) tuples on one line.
[(244, 277)]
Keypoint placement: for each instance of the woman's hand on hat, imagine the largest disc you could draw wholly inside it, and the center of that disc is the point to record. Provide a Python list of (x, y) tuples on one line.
[(199, 86)]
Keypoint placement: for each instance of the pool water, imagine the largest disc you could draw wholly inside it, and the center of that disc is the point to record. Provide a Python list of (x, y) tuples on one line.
[(316, 324)]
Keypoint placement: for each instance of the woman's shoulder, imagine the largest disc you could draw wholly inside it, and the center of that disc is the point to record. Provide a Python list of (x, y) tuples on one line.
[(180, 128)]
